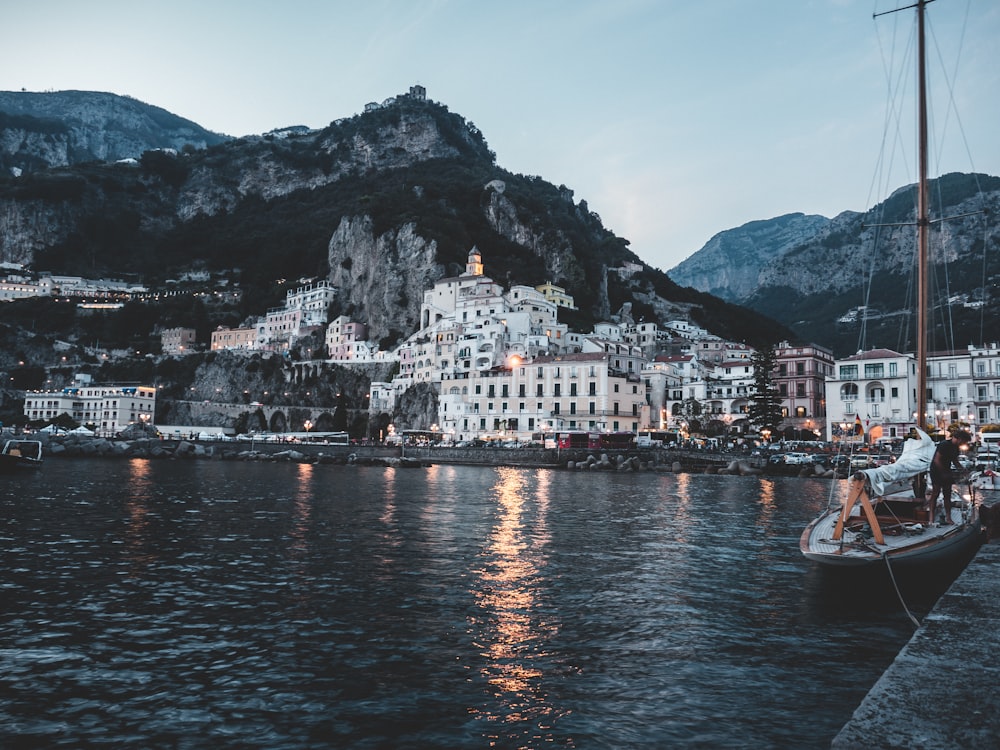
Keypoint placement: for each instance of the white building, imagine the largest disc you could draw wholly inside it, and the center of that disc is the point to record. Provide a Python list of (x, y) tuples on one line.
[(877, 386), (110, 408), (564, 392)]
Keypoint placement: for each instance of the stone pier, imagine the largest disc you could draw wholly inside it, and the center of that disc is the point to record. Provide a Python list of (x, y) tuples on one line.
[(943, 690)]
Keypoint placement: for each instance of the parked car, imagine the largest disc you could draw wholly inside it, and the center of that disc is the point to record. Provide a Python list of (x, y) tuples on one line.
[(798, 458), (861, 462)]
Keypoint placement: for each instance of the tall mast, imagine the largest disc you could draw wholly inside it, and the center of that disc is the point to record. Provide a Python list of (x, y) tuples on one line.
[(923, 224)]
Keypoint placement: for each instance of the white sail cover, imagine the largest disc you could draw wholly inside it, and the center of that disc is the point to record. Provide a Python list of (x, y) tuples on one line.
[(916, 459)]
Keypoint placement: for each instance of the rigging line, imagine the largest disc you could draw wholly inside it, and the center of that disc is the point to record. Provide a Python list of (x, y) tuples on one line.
[(895, 85)]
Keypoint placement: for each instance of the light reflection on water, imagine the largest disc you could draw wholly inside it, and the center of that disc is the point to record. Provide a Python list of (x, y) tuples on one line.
[(509, 628), (215, 604)]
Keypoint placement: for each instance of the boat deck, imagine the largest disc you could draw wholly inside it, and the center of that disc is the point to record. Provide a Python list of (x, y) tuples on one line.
[(906, 529)]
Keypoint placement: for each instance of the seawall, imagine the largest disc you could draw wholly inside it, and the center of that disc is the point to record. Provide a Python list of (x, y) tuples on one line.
[(941, 691)]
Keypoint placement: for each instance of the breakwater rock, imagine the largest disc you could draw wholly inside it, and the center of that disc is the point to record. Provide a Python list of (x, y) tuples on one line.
[(633, 460)]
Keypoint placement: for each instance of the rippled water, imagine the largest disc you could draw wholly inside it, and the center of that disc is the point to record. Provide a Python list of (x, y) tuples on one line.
[(230, 605)]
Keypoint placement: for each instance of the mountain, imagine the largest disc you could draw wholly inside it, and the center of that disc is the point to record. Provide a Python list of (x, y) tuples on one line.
[(810, 272), (62, 128), (730, 263), (381, 204)]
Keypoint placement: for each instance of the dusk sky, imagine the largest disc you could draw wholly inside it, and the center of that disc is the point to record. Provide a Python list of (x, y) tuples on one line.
[(673, 119)]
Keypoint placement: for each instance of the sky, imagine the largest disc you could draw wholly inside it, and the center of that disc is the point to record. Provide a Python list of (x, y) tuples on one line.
[(673, 119)]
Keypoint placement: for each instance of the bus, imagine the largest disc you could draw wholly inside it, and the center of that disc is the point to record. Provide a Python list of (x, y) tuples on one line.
[(595, 440), (654, 438), (578, 439)]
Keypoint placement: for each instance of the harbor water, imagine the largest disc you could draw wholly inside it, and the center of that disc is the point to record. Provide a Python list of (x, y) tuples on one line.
[(232, 605)]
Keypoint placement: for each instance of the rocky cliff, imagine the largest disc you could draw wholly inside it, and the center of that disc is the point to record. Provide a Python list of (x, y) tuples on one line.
[(730, 264), (62, 128)]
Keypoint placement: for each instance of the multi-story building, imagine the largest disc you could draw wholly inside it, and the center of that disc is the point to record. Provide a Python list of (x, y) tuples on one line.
[(557, 295), (800, 373), (279, 328), (964, 386), (313, 300), (581, 391), (178, 340), (234, 339), (985, 384), (347, 341), (109, 408), (878, 387)]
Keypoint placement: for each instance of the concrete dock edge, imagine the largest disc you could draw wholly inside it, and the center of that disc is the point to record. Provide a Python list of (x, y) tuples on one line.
[(943, 689)]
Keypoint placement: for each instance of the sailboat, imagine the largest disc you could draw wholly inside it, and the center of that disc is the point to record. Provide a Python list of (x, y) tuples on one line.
[(882, 519)]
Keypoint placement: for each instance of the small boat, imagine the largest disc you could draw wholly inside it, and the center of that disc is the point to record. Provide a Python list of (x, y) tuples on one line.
[(985, 483), (882, 517), (20, 454)]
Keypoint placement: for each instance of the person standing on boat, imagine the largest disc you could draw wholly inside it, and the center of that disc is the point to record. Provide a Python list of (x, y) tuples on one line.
[(942, 476)]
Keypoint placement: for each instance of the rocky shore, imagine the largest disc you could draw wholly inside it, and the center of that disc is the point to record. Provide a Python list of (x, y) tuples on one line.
[(657, 460)]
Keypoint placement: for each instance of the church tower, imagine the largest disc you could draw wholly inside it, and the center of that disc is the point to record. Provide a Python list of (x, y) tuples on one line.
[(474, 267)]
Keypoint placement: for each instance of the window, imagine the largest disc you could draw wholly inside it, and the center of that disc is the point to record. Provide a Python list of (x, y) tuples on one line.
[(558, 390), (873, 370), (982, 393), (504, 391), (520, 390), (572, 389), (800, 390), (848, 372), (593, 389), (892, 369), (952, 394), (800, 368), (894, 392), (538, 390)]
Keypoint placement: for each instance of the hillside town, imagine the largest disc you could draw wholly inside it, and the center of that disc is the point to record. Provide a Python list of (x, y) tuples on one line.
[(505, 368)]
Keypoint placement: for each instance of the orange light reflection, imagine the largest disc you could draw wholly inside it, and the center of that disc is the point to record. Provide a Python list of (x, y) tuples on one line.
[(511, 629)]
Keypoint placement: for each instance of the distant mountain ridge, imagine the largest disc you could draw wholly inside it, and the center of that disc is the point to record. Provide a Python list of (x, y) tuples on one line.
[(62, 128), (809, 271), (730, 264)]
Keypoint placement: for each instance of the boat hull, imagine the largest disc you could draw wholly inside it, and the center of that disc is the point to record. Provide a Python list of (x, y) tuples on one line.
[(20, 455)]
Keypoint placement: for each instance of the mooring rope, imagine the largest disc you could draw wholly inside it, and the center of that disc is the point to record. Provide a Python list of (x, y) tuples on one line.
[(892, 577)]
